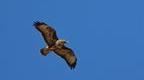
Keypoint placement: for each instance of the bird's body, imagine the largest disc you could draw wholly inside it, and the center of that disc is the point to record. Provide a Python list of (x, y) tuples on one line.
[(58, 45), (54, 44)]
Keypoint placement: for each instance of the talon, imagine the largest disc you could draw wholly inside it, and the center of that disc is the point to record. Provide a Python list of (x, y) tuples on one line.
[(47, 46)]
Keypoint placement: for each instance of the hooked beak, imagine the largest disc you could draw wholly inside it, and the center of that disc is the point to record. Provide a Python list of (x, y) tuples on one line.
[(67, 42)]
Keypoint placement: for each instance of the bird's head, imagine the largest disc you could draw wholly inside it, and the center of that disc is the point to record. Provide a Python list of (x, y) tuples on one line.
[(61, 42), (41, 26)]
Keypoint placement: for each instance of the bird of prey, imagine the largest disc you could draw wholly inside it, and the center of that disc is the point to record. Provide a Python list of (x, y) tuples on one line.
[(55, 45)]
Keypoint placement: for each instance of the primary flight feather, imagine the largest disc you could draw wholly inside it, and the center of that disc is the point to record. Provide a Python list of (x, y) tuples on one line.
[(54, 44)]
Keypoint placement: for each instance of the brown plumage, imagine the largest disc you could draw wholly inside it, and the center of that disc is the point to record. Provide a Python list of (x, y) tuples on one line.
[(54, 44)]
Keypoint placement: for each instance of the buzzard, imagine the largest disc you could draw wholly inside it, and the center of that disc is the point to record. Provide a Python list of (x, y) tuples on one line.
[(55, 45)]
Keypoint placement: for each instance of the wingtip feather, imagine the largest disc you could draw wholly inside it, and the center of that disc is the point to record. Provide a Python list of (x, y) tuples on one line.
[(72, 66), (38, 23)]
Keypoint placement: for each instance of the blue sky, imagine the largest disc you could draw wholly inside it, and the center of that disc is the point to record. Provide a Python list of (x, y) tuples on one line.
[(106, 35)]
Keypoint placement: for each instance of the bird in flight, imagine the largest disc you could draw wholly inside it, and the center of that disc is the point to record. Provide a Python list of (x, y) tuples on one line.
[(55, 45)]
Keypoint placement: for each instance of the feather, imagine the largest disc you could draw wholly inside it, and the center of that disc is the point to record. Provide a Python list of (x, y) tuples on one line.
[(48, 33), (68, 55)]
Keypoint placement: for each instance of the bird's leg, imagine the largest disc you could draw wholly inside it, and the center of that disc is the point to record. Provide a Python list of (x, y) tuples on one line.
[(50, 48), (47, 46)]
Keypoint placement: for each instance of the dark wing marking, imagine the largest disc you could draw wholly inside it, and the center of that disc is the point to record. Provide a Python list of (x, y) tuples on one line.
[(48, 33), (68, 55)]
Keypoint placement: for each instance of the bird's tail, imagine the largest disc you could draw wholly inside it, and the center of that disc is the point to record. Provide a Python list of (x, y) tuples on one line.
[(44, 51)]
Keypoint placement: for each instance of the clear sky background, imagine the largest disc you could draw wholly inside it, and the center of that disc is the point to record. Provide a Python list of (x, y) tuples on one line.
[(106, 35)]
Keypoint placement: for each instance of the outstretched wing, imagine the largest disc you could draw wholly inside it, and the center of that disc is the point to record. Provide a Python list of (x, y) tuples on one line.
[(50, 36), (68, 55), (48, 33)]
